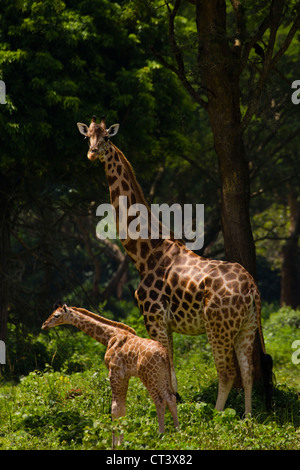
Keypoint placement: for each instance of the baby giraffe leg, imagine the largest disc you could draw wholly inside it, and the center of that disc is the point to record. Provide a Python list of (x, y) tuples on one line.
[(119, 387), (160, 401), (153, 388), (160, 406), (171, 402)]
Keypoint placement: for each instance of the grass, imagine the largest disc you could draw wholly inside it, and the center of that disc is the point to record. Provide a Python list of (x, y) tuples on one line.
[(69, 408)]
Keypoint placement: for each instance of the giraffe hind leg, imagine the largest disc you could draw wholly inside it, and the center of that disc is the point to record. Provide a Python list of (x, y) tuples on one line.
[(224, 387), (159, 402), (171, 403), (160, 406), (157, 397), (223, 354), (244, 353)]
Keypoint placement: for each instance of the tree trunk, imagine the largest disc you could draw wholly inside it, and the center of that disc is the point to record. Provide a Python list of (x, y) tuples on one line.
[(290, 271), (218, 67)]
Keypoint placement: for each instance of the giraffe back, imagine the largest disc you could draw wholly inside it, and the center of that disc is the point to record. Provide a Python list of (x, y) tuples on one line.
[(136, 356)]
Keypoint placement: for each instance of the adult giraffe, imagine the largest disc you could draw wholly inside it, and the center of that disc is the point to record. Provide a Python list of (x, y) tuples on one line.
[(182, 292)]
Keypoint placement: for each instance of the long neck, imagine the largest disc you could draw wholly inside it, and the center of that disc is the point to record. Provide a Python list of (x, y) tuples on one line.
[(131, 221), (99, 328)]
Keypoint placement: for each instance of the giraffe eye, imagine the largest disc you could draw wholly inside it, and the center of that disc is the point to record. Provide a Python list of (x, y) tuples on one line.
[(56, 315)]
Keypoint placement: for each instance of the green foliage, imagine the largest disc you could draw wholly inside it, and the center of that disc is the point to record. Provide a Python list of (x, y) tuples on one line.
[(69, 408), (281, 330), (65, 348)]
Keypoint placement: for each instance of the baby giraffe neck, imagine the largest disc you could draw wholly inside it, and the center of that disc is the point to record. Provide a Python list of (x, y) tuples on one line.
[(93, 327), (99, 328)]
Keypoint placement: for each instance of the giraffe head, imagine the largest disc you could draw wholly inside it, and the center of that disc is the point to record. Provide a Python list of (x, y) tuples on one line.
[(60, 316), (98, 136)]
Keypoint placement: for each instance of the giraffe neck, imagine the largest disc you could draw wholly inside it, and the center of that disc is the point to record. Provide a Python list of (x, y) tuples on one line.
[(99, 328), (122, 182)]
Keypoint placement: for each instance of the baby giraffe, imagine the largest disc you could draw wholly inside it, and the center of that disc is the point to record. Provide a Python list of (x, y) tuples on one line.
[(126, 355)]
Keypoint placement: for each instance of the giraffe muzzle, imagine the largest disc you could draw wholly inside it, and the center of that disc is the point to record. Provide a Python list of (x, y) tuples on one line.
[(93, 154)]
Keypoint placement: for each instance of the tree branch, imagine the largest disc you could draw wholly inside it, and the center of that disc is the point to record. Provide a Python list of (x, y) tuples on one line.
[(202, 169), (287, 41), (257, 37), (273, 21), (180, 70), (270, 187)]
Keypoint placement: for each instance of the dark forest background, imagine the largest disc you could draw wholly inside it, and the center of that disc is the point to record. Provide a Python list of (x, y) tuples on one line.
[(184, 95)]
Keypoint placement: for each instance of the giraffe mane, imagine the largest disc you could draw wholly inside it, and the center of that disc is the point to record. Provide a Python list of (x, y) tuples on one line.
[(137, 187), (101, 319)]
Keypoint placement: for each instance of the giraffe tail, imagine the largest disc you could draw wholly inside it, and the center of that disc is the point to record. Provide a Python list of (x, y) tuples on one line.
[(266, 361)]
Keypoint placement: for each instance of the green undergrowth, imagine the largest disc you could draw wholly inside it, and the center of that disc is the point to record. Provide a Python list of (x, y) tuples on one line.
[(66, 405)]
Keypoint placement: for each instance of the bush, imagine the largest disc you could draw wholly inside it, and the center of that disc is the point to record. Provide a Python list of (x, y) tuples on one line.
[(63, 347)]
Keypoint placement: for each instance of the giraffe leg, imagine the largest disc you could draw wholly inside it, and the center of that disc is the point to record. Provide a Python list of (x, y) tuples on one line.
[(224, 387), (247, 380), (153, 385), (160, 331), (171, 402), (226, 369), (119, 387), (160, 406), (244, 352), (223, 353)]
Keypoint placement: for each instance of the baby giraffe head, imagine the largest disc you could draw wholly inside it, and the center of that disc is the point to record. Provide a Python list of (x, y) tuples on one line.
[(60, 316)]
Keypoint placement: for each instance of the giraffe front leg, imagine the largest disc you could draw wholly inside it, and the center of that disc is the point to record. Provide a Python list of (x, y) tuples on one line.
[(119, 387)]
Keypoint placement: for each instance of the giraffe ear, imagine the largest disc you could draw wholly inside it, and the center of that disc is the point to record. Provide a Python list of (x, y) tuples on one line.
[(65, 308), (83, 128), (113, 130)]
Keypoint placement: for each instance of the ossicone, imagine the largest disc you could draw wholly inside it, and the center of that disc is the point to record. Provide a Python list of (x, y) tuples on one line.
[(57, 304)]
